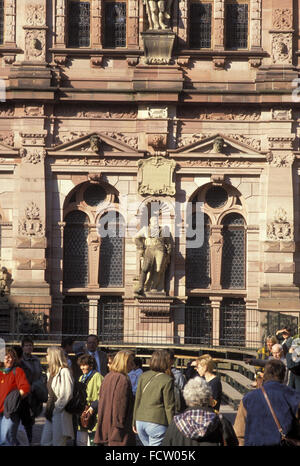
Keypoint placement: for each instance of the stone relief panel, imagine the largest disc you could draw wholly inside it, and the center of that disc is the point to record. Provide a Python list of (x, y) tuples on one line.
[(31, 155), (255, 23), (31, 224), (282, 48), (280, 160), (203, 113), (280, 228), (282, 18), (36, 15)]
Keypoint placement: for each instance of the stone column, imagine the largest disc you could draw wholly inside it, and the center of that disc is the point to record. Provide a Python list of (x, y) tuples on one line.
[(93, 314), (215, 306), (216, 244), (219, 13), (94, 243)]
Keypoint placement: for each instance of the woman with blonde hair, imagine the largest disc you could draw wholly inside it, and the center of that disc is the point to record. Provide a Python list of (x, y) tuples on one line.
[(58, 426), (115, 407), (154, 406), (205, 366)]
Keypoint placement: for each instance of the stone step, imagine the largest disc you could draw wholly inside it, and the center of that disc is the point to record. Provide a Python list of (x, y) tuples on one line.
[(236, 380), (230, 395)]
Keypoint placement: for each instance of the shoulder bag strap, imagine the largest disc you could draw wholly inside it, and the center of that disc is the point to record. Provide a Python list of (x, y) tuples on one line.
[(272, 412), (153, 377)]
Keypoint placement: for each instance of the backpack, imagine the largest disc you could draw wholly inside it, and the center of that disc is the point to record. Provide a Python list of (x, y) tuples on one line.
[(77, 403)]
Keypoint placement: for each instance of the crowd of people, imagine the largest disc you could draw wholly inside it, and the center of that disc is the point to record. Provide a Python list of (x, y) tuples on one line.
[(126, 404)]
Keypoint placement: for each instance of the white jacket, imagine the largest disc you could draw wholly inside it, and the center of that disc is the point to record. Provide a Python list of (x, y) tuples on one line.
[(62, 385)]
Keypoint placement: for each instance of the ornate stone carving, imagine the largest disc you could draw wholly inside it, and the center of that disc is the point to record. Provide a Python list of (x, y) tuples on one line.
[(282, 48), (34, 156), (60, 22), (255, 26), (253, 142), (283, 18), (7, 110), (155, 176), (281, 114), (95, 143), (280, 229), (219, 24), (31, 224), (280, 160), (219, 62), (204, 113), (10, 21), (35, 15), (34, 110), (61, 60), (96, 61), (35, 41), (8, 138), (157, 112), (5, 281), (281, 142)]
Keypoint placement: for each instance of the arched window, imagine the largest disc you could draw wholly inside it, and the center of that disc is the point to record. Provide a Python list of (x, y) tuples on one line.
[(234, 252), (75, 269), (198, 258), (111, 231)]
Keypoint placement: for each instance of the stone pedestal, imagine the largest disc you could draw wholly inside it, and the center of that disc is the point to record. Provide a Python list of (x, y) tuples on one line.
[(154, 307), (158, 46)]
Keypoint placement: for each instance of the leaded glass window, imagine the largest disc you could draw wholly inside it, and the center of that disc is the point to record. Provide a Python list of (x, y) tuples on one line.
[(198, 259), (233, 252), (111, 319), (115, 24), (1, 21), (198, 321), (200, 25), (232, 322), (111, 250), (94, 195), (75, 315), (236, 25), (75, 268), (79, 24), (216, 197)]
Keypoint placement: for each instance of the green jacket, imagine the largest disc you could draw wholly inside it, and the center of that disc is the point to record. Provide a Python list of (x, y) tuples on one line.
[(92, 390), (154, 401)]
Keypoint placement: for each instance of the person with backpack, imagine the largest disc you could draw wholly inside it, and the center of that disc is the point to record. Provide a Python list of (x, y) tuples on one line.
[(91, 380), (58, 427), (14, 387)]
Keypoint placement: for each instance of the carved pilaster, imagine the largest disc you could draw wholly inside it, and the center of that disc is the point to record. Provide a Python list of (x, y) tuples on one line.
[(183, 22), (219, 13), (96, 22), (10, 22), (94, 242), (133, 23), (60, 19), (216, 245), (255, 24)]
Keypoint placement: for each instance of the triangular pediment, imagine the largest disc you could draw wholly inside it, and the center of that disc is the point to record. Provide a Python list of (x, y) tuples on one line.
[(5, 149), (98, 144), (218, 145)]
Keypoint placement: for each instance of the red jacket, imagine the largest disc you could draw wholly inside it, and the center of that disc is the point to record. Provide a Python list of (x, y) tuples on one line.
[(11, 381)]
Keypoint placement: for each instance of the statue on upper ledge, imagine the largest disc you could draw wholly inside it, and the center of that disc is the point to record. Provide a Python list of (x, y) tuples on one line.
[(158, 13)]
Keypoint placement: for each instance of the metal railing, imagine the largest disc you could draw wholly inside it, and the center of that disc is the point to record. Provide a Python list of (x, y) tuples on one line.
[(232, 326)]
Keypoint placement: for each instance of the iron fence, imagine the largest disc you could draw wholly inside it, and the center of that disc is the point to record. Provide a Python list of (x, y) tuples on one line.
[(232, 325)]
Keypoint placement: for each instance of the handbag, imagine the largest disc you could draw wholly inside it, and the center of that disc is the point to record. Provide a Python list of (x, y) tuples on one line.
[(285, 441), (87, 419)]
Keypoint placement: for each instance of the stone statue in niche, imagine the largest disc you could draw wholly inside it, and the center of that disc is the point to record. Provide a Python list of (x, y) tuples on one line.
[(154, 247), (158, 13)]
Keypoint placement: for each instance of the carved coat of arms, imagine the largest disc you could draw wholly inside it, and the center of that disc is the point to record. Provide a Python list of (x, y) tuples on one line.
[(156, 176)]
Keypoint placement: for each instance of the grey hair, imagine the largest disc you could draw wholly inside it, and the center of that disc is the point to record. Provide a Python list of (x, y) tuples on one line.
[(197, 392)]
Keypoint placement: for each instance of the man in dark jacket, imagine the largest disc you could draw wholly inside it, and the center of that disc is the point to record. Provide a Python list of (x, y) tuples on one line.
[(254, 424)]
